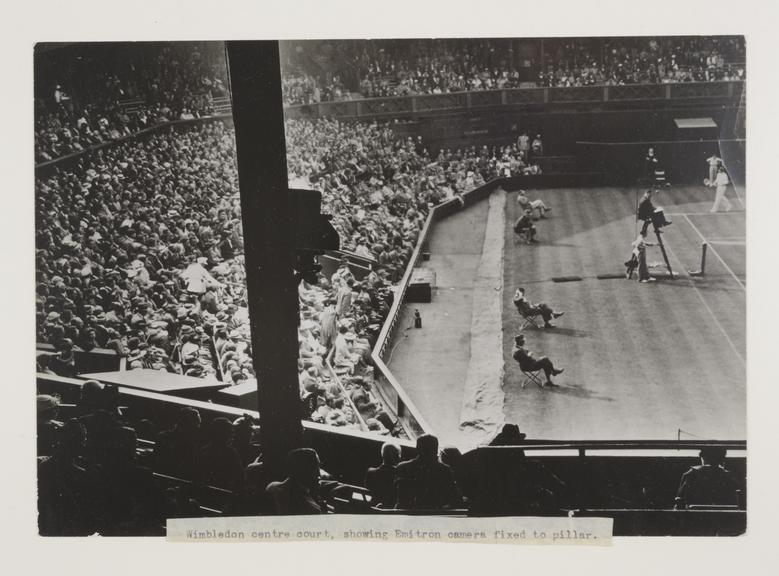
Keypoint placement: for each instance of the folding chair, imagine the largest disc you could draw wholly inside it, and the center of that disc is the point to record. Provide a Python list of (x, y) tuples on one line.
[(532, 376), (524, 235), (529, 320)]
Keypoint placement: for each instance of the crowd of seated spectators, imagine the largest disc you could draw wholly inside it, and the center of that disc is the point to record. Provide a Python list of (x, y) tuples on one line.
[(104, 470), (101, 470), (379, 190), (302, 88), (391, 68), (176, 82), (180, 81), (620, 61), (421, 67), (139, 250)]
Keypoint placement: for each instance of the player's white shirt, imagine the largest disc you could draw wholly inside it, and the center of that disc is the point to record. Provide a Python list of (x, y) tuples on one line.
[(722, 179)]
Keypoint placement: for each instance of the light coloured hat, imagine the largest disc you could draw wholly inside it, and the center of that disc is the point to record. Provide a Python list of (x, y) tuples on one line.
[(46, 403)]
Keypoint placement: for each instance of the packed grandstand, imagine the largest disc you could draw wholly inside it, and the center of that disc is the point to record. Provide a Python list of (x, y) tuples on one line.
[(139, 247), (102, 97), (126, 233)]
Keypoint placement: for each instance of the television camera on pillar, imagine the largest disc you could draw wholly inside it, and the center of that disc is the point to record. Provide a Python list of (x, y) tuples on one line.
[(313, 233)]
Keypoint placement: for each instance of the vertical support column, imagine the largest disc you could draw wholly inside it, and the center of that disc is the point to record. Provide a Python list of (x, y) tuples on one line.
[(255, 82)]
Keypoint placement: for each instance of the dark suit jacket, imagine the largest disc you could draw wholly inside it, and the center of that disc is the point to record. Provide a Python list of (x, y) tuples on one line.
[(381, 482), (523, 357), (289, 497), (425, 485), (523, 306), (708, 485), (523, 223), (646, 209)]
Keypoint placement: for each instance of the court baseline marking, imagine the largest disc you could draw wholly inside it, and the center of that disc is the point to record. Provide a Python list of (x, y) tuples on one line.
[(704, 213), (713, 251), (728, 242)]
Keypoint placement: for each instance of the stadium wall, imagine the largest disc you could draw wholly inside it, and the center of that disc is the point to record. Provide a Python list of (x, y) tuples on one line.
[(683, 160), (563, 116), (560, 130)]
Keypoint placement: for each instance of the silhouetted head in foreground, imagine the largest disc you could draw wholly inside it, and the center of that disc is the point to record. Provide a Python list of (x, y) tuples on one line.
[(427, 447), (713, 455), (303, 466)]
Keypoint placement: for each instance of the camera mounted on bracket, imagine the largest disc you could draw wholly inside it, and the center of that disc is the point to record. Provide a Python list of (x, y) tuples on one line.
[(312, 231)]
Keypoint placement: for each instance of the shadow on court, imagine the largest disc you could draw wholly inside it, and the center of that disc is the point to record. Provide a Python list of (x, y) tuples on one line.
[(579, 392)]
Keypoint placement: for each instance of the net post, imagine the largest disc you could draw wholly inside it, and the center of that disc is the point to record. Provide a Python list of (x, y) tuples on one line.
[(704, 248)]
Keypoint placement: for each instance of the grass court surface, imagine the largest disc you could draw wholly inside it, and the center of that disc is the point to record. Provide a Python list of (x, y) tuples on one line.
[(641, 360)]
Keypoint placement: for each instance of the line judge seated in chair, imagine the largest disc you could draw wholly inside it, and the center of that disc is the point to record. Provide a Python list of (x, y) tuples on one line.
[(524, 226), (537, 206), (530, 311), (529, 364), (649, 213)]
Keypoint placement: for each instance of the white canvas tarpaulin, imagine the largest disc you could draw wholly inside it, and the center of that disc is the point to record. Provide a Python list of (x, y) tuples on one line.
[(482, 412)]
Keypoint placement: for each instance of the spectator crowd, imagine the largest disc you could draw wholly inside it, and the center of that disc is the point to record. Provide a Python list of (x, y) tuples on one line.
[(409, 67), (139, 250), (109, 470), (168, 81), (112, 470), (139, 245), (620, 61), (88, 106)]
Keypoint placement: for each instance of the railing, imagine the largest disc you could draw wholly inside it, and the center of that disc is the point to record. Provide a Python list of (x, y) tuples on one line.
[(94, 360), (62, 160), (345, 449), (619, 472), (409, 105), (622, 447), (347, 397), (389, 388)]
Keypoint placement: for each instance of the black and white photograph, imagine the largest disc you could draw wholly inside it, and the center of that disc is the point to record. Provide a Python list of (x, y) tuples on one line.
[(494, 277), (452, 288)]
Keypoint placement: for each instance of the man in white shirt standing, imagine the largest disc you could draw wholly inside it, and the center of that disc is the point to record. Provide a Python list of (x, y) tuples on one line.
[(714, 163), (721, 182)]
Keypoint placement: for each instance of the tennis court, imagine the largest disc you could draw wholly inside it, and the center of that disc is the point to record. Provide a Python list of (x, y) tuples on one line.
[(642, 361)]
